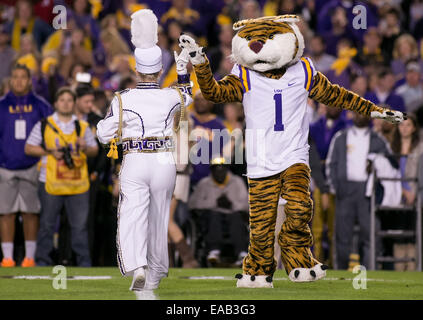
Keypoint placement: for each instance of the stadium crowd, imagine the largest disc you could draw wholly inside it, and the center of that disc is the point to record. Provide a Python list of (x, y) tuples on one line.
[(71, 74)]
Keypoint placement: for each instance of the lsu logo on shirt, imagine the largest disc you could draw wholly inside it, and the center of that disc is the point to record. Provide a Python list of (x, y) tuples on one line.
[(20, 109)]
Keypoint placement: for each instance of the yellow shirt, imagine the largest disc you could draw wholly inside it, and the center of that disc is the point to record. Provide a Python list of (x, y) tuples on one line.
[(60, 179)]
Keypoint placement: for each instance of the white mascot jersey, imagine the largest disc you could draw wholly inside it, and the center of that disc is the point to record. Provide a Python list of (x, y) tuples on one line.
[(275, 113)]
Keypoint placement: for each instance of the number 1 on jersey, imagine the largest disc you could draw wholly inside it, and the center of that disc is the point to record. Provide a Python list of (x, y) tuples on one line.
[(278, 112)]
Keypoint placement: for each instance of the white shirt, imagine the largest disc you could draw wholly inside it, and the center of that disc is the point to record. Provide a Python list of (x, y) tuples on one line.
[(358, 143), (147, 112)]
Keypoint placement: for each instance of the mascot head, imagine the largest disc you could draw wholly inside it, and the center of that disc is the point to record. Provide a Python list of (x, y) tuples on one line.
[(267, 43)]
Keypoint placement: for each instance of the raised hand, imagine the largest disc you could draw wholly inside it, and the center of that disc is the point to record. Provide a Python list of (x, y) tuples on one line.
[(196, 53), (181, 61)]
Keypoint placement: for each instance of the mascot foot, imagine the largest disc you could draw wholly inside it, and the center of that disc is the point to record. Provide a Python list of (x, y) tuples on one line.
[(308, 274), (247, 281)]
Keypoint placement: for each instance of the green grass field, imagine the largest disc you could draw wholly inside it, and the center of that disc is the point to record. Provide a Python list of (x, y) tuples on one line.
[(192, 284)]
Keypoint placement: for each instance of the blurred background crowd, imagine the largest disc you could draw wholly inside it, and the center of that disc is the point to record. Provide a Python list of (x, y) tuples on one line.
[(209, 225)]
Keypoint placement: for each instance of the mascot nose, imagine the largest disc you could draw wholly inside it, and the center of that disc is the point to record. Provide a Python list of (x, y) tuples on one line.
[(256, 46)]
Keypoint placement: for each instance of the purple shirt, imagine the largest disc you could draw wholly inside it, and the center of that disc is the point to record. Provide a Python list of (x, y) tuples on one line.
[(18, 115), (322, 135), (202, 169), (394, 101)]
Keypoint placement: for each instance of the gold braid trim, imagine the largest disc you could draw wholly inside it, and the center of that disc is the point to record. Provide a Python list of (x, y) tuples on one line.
[(182, 112), (333, 95), (229, 89)]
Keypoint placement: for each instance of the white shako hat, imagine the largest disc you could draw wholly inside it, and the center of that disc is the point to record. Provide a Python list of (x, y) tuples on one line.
[(148, 55)]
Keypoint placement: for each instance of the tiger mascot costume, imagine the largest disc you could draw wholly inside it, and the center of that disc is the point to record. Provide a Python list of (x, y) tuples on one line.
[(273, 82)]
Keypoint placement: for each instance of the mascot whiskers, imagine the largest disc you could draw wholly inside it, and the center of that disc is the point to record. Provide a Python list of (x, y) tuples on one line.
[(273, 82)]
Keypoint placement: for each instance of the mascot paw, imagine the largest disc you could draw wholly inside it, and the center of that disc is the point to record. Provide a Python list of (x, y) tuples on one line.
[(196, 52), (308, 274), (390, 115), (247, 281)]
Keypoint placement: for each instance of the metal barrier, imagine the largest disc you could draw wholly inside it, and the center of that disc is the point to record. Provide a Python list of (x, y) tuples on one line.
[(398, 234)]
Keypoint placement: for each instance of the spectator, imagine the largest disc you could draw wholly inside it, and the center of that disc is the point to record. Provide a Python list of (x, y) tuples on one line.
[(324, 208), (370, 53), (188, 18), (405, 50), (407, 145), (344, 66), (222, 51), (26, 23), (346, 169), (250, 9), (225, 65), (7, 54), (74, 71), (233, 116), (321, 134), (28, 46), (179, 204), (222, 198), (322, 61), (359, 84), (384, 128), (20, 109), (418, 26), (64, 177), (416, 14), (81, 11), (84, 102), (123, 16), (75, 52), (113, 44), (4, 86), (101, 102), (384, 94), (339, 30), (174, 30), (287, 7), (60, 40), (167, 54), (390, 29), (411, 91), (122, 66), (44, 10), (97, 164), (203, 123), (325, 10)]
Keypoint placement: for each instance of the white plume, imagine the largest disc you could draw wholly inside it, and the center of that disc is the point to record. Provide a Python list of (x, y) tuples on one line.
[(144, 27)]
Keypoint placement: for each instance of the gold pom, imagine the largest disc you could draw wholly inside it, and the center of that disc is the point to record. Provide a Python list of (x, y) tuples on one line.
[(113, 153)]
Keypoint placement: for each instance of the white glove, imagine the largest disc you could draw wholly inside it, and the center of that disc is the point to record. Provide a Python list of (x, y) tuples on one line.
[(181, 61), (196, 53), (392, 116)]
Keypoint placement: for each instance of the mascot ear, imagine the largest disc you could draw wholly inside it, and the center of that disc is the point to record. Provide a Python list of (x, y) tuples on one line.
[(300, 39)]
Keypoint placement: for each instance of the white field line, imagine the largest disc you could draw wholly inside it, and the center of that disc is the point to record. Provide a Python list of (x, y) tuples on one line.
[(34, 277), (285, 279), (68, 278)]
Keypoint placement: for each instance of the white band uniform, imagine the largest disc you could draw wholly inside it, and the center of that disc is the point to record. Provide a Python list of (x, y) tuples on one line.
[(146, 181)]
